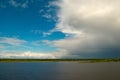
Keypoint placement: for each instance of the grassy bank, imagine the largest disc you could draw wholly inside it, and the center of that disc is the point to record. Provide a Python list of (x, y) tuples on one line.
[(60, 60)]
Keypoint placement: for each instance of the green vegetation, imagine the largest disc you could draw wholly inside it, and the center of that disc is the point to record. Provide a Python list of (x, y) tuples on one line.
[(61, 60)]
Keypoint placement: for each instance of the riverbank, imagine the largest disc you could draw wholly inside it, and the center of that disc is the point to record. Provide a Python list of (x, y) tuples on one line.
[(61, 60)]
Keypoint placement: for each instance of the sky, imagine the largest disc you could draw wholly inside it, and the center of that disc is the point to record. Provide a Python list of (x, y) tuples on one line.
[(59, 29)]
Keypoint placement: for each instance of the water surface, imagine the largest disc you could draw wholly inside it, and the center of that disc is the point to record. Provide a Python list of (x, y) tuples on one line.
[(59, 71)]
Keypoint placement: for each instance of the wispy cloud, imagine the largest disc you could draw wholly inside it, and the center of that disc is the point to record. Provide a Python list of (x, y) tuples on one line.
[(36, 31), (14, 3), (48, 16), (2, 46), (37, 43), (25, 4), (49, 11), (12, 41), (42, 32)]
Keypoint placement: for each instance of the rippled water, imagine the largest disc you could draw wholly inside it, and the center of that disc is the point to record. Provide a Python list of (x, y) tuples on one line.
[(59, 71)]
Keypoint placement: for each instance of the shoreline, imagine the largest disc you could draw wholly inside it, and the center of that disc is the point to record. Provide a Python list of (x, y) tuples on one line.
[(61, 60)]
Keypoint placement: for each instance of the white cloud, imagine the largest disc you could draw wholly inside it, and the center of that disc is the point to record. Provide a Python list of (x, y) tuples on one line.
[(93, 26), (29, 54), (86, 15), (12, 41)]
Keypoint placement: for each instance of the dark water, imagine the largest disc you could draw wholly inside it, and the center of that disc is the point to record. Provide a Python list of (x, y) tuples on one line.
[(59, 71)]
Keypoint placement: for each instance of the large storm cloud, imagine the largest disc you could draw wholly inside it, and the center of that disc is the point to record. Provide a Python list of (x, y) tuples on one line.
[(92, 27)]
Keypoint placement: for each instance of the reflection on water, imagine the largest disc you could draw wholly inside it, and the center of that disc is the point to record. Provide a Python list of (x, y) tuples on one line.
[(59, 71)]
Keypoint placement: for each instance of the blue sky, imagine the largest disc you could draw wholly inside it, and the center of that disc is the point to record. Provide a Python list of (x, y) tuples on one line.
[(59, 29), (28, 21)]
